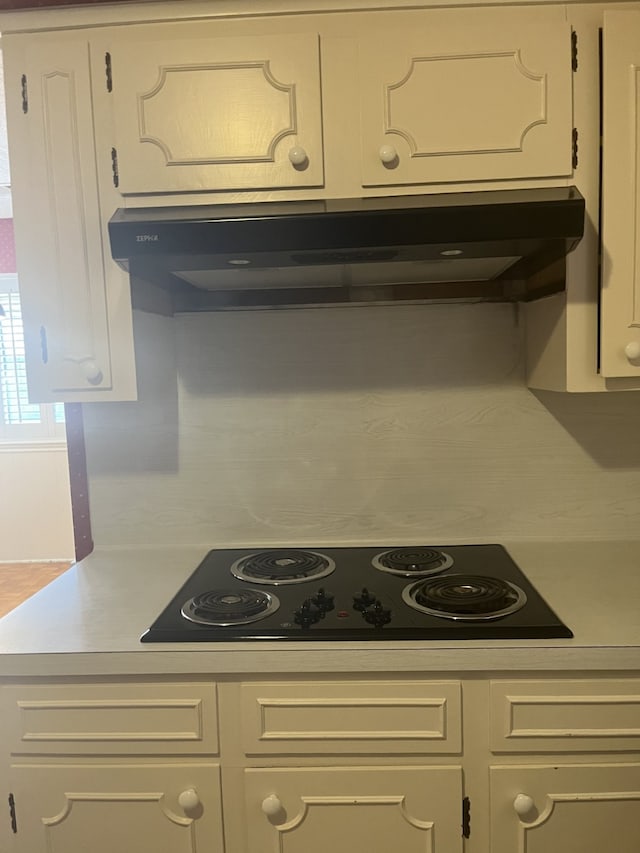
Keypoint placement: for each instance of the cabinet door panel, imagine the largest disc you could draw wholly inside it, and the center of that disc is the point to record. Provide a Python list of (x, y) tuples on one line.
[(371, 717), (572, 715), (217, 113), (620, 316), (102, 719), (575, 809), (57, 223), (104, 808), (468, 95), (377, 809)]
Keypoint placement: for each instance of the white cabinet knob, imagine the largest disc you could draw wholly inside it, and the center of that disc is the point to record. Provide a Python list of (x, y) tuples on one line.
[(271, 805), (92, 372), (298, 156), (388, 154), (632, 351), (523, 805), (189, 800)]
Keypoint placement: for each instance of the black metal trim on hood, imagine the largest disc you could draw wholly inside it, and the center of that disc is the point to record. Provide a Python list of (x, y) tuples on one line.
[(524, 231)]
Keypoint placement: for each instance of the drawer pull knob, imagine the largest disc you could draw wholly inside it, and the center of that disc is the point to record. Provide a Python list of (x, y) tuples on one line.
[(92, 372), (189, 800), (271, 805), (523, 805), (298, 157), (388, 155), (632, 351)]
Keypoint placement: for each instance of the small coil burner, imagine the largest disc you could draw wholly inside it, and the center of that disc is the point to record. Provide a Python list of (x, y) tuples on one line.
[(412, 562), (226, 607), (469, 598), (283, 566)]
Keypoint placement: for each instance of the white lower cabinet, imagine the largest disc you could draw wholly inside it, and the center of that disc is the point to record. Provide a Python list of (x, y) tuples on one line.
[(570, 808), (342, 809), (102, 808), (478, 765)]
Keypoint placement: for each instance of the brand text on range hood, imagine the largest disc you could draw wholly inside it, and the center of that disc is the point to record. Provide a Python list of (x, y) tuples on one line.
[(453, 245)]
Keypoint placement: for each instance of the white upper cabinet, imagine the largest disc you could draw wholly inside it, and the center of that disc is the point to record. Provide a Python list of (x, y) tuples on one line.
[(207, 113), (620, 316), (441, 97), (331, 104), (467, 95), (77, 328)]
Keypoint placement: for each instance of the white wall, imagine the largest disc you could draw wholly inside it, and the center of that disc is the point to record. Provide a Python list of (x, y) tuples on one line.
[(401, 424), (35, 506)]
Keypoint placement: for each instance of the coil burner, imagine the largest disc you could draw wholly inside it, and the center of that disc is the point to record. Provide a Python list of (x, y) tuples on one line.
[(468, 598), (225, 607), (412, 562), (283, 566)]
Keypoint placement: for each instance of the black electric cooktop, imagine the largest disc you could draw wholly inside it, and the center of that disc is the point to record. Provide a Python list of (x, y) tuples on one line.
[(464, 592)]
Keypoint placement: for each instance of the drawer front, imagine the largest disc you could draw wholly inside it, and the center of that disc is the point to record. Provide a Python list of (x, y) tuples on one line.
[(105, 718), (565, 716), (362, 717)]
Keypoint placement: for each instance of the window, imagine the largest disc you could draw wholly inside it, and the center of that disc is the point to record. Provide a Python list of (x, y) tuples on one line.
[(20, 420)]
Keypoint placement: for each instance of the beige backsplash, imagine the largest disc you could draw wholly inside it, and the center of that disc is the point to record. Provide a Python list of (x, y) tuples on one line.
[(346, 425)]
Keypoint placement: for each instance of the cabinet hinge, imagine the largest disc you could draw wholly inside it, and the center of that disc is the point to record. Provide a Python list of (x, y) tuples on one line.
[(107, 71), (12, 813), (114, 167), (574, 50), (574, 147), (25, 94), (466, 817)]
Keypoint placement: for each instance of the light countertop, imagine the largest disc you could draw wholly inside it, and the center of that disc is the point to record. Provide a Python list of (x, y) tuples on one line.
[(89, 621)]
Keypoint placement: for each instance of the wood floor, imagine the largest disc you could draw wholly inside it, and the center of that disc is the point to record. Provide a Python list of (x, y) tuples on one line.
[(19, 581)]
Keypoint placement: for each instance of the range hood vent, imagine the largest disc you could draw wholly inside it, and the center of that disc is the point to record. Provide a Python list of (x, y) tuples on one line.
[(478, 245)]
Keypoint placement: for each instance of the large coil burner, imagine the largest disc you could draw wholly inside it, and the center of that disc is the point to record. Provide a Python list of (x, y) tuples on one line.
[(470, 598)]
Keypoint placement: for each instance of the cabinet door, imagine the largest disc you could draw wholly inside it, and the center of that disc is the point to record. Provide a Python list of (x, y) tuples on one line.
[(576, 809), (117, 807), (217, 113), (377, 809), (59, 238), (467, 95), (620, 314)]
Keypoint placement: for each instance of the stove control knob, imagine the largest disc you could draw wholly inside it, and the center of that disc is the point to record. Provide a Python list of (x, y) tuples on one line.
[(363, 599), (523, 805), (189, 800), (377, 615), (323, 600), (271, 805), (307, 614)]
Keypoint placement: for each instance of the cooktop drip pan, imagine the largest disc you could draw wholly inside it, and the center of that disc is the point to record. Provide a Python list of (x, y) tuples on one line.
[(357, 601)]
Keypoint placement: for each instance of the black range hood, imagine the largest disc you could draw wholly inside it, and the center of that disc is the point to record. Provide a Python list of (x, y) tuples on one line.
[(476, 245)]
